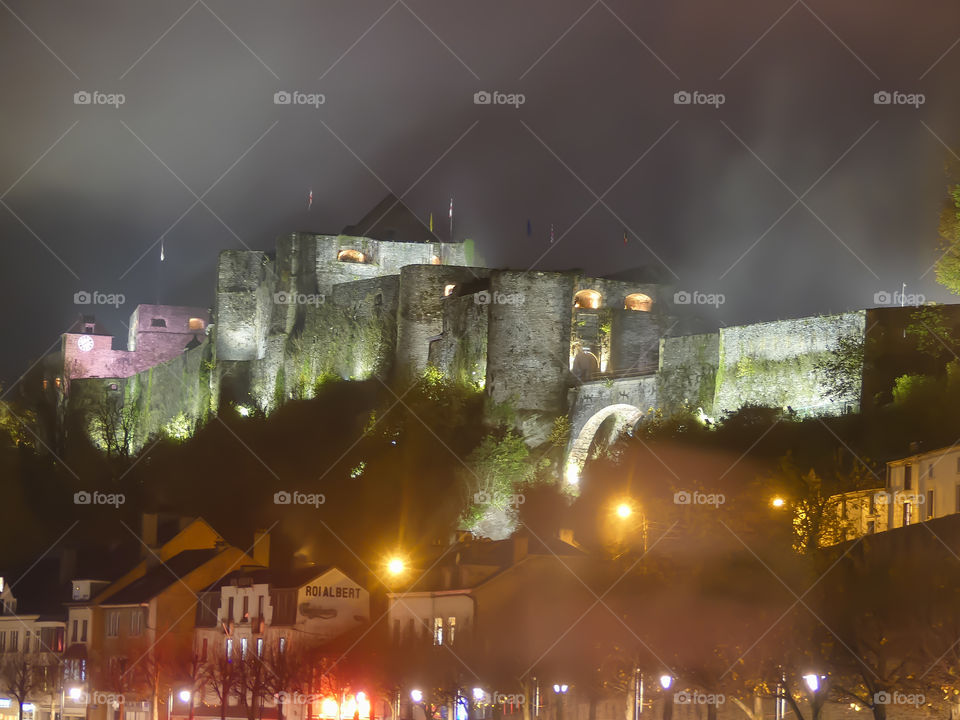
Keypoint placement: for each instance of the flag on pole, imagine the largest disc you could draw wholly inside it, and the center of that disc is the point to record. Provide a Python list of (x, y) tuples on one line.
[(431, 222), (161, 249), (529, 228), (310, 199), (451, 218), (551, 233), (624, 236)]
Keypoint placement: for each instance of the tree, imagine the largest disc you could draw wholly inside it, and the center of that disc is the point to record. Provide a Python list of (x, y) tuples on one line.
[(500, 467), (930, 331), (841, 371), (20, 677), (114, 425), (947, 268), (220, 674)]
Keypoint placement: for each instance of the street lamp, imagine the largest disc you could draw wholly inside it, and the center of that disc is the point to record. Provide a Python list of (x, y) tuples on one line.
[(560, 691), (396, 566), (478, 694), (812, 681), (75, 693), (666, 681), (778, 502), (185, 695), (416, 695), (624, 510)]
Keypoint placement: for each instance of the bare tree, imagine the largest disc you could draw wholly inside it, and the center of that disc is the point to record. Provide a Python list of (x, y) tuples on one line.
[(20, 677), (220, 674)]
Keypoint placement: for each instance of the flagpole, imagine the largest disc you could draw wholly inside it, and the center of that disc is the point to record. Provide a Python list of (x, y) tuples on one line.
[(451, 218)]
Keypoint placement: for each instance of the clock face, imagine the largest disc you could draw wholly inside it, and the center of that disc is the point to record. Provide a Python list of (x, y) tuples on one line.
[(85, 343)]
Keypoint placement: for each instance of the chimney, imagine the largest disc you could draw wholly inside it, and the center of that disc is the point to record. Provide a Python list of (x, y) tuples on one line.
[(521, 543), (68, 565), (261, 547), (148, 531)]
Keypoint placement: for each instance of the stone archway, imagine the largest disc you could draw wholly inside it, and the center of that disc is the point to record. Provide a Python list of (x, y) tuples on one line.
[(626, 416)]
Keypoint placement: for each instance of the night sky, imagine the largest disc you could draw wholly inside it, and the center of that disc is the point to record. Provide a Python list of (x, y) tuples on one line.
[(709, 195)]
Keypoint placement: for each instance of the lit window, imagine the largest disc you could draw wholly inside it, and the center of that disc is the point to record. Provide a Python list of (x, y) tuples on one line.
[(451, 629), (45, 383), (448, 290), (243, 648), (353, 256), (438, 631), (195, 324), (907, 513), (929, 504), (435, 260), (136, 622), (83, 631), (229, 649), (260, 647), (588, 299), (637, 301), (113, 623), (282, 645)]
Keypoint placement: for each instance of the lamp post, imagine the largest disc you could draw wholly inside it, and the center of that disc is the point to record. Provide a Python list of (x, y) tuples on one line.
[(666, 682), (560, 691), (816, 686)]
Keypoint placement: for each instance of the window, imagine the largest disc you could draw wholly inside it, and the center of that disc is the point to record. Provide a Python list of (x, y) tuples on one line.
[(435, 260), (907, 477), (929, 503), (438, 631), (158, 322), (26, 641), (195, 324), (136, 622), (229, 609), (260, 608), (113, 623), (73, 634), (282, 645), (203, 650), (352, 256), (259, 647), (448, 289), (907, 512), (14, 641), (246, 607), (3, 640), (637, 301), (83, 632), (589, 299), (451, 629), (871, 527), (243, 648), (228, 650)]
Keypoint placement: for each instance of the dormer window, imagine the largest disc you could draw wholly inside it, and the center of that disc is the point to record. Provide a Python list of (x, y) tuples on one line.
[(351, 256), (158, 323), (195, 323)]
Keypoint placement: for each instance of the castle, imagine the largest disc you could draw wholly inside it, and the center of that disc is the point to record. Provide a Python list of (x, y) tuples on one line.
[(387, 298)]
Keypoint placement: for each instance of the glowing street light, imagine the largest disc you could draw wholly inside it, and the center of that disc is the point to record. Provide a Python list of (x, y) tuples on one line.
[(778, 502), (666, 681), (75, 693), (478, 694), (416, 695), (560, 689), (396, 566), (185, 696), (812, 681), (624, 510)]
